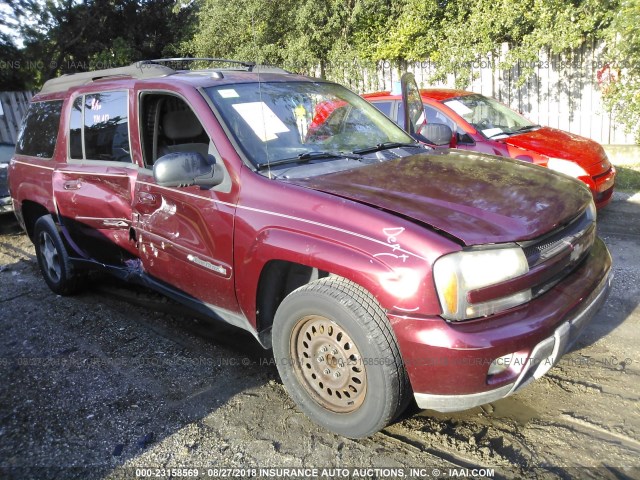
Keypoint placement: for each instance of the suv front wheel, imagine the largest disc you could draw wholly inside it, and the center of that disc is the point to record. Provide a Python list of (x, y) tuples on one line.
[(338, 357), (53, 259)]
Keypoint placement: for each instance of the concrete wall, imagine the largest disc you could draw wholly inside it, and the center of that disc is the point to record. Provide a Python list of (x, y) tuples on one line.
[(623, 154)]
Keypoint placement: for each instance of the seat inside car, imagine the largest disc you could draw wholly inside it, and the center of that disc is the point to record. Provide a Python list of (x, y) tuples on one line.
[(183, 132)]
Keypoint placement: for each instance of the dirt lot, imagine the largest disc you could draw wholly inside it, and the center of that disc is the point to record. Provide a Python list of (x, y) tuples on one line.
[(115, 378)]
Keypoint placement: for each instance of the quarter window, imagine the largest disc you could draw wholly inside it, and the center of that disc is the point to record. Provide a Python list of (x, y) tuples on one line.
[(39, 131)]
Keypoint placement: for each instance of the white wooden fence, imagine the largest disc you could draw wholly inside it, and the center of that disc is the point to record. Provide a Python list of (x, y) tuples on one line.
[(563, 92), (12, 108)]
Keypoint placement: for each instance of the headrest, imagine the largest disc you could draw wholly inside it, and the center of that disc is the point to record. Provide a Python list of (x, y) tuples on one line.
[(181, 125)]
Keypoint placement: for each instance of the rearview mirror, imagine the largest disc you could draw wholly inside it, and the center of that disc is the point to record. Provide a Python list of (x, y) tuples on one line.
[(183, 169)]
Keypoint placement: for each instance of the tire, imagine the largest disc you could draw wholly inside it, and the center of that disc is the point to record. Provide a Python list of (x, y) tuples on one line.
[(53, 259), (338, 357)]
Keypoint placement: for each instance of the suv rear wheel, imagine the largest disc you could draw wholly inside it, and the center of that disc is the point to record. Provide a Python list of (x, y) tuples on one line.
[(53, 259), (338, 357)]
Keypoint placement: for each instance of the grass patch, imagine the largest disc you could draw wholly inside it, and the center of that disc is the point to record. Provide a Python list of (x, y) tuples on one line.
[(628, 177)]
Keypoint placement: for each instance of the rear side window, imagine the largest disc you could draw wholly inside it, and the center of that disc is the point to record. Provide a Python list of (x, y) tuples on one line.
[(99, 127), (39, 131), (384, 107)]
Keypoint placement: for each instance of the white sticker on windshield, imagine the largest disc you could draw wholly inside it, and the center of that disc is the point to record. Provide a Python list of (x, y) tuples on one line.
[(458, 107), (492, 132), (261, 119), (228, 93)]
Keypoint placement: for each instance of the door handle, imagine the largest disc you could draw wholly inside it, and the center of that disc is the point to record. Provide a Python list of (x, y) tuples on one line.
[(72, 185)]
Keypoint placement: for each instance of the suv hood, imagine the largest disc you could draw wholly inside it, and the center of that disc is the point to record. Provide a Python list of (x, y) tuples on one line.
[(477, 198), (557, 143)]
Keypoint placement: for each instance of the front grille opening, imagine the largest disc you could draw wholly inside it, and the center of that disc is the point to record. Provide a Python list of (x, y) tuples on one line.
[(557, 242), (561, 251)]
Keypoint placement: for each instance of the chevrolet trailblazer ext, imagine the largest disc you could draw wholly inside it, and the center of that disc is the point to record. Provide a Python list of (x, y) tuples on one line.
[(376, 269)]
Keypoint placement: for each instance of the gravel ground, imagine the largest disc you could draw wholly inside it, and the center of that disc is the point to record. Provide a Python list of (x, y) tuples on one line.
[(114, 379)]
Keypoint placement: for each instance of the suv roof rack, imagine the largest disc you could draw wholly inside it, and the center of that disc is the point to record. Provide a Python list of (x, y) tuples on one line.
[(143, 69), (185, 60), (182, 62), (135, 70)]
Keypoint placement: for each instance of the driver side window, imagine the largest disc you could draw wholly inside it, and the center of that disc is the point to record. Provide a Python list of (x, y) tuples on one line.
[(169, 125), (436, 116)]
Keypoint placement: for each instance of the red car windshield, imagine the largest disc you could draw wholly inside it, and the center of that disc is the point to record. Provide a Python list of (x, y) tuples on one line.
[(280, 120), (487, 115)]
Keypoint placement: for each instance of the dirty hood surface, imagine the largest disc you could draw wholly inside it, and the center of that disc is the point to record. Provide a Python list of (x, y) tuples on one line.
[(477, 198)]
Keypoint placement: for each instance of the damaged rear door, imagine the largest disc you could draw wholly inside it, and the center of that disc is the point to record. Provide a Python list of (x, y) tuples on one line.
[(93, 190)]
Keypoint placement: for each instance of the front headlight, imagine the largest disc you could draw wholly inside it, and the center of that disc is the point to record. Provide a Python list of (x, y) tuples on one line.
[(567, 167), (458, 273)]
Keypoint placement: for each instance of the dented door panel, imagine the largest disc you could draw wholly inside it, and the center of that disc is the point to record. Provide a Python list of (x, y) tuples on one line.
[(185, 238), (93, 203)]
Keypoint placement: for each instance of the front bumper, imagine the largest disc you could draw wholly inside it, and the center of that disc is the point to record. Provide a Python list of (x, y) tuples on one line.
[(448, 363), (544, 355), (603, 187)]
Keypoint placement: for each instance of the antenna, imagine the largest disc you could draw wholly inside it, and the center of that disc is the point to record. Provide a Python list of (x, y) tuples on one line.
[(264, 126)]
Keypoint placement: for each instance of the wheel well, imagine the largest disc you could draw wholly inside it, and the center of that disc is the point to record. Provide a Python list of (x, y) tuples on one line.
[(278, 279), (31, 212)]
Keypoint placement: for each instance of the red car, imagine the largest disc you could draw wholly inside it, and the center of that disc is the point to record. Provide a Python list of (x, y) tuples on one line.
[(376, 269), (485, 125)]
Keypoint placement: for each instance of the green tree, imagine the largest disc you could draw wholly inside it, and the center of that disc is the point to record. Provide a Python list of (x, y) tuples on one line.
[(454, 33), (13, 75), (622, 92), (78, 36), (246, 30)]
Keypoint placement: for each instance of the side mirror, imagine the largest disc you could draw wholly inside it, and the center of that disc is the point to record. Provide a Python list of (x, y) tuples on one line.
[(437, 134), (183, 169)]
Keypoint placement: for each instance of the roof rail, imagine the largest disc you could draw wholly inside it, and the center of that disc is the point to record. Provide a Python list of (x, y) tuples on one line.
[(248, 65), (141, 69), (182, 62)]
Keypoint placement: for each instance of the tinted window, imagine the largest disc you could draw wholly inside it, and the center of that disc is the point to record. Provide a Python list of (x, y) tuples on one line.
[(40, 129), (384, 107), (75, 130), (106, 127)]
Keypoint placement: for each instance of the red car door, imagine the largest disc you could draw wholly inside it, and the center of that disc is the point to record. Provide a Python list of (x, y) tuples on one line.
[(184, 234), (93, 188)]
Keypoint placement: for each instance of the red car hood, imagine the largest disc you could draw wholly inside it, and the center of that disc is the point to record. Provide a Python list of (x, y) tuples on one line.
[(559, 144), (477, 198)]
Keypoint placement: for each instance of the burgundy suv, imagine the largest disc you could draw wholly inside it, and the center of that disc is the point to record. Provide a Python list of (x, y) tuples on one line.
[(378, 270)]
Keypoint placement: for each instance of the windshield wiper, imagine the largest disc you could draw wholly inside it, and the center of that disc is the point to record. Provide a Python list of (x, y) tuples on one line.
[(386, 146), (527, 128), (307, 157)]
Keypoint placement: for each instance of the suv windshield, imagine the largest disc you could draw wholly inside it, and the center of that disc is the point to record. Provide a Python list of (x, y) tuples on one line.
[(488, 116), (276, 121)]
